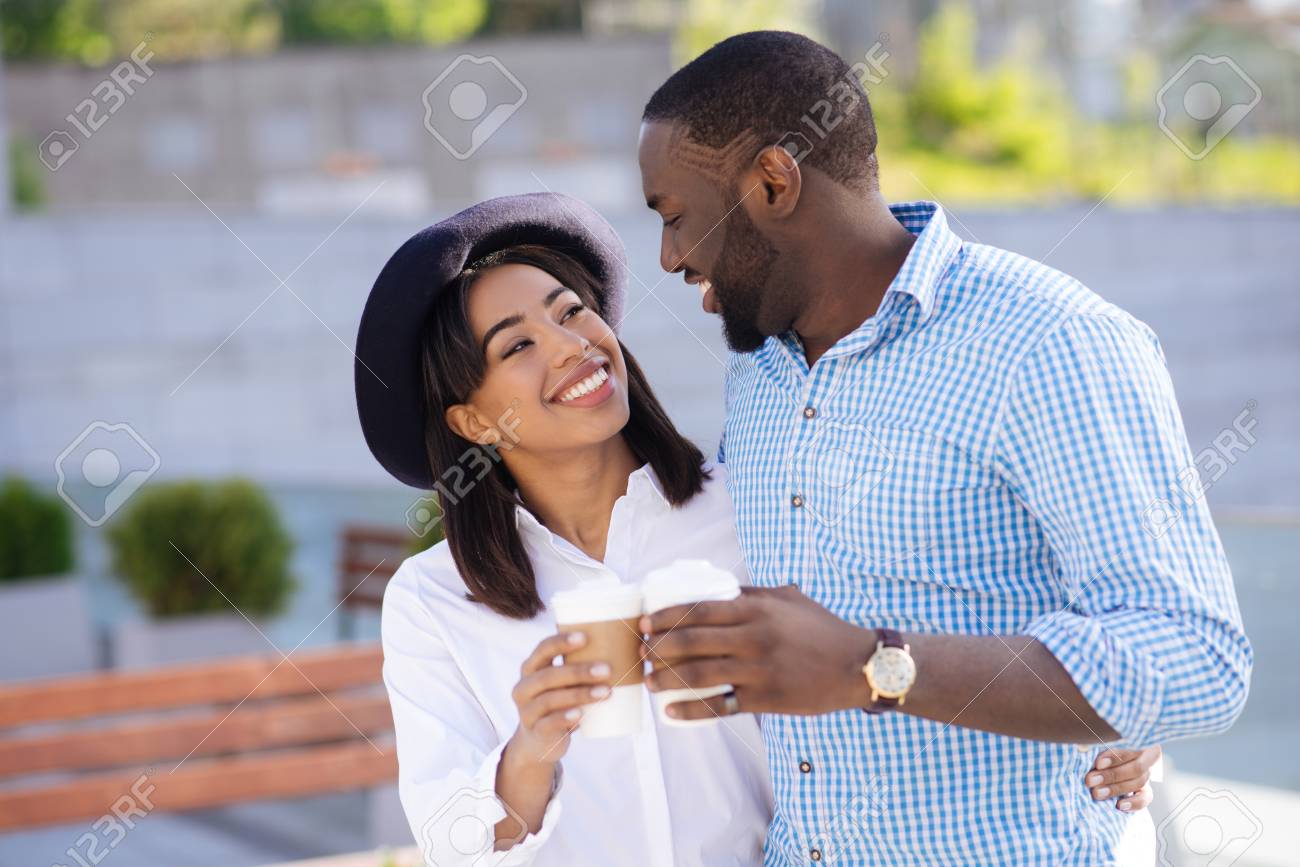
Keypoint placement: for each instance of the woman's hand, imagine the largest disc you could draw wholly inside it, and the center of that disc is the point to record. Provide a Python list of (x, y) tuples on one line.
[(1123, 775), (550, 699)]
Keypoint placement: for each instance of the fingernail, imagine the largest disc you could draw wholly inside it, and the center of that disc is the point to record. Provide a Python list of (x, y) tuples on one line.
[(1094, 779), (1104, 762), (1102, 793), (1125, 806), (671, 711), (572, 713), (576, 638), (599, 691), (643, 624), (600, 669)]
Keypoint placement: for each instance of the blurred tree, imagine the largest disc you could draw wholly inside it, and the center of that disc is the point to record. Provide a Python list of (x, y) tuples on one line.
[(185, 29), (54, 30), (534, 16), (342, 22), (91, 32), (1013, 114)]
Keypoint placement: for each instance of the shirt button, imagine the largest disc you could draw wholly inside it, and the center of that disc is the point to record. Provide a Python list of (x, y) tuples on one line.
[(805, 767), (796, 501), (815, 854), (809, 412)]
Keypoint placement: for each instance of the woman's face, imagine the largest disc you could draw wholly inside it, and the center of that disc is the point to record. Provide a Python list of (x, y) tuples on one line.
[(554, 374)]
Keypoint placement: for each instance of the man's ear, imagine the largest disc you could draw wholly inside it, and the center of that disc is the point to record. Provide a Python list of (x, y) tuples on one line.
[(466, 424), (781, 179)]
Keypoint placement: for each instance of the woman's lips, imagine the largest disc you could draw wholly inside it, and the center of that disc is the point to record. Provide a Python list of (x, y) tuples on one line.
[(596, 396)]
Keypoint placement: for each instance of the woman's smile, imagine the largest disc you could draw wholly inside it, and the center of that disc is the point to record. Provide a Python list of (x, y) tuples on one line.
[(587, 385)]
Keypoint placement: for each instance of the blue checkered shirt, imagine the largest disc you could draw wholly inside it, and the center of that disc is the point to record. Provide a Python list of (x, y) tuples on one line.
[(997, 451)]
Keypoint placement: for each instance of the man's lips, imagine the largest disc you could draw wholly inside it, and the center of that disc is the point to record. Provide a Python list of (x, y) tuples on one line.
[(708, 295)]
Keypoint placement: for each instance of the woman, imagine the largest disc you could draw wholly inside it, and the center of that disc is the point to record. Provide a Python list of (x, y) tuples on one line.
[(487, 370)]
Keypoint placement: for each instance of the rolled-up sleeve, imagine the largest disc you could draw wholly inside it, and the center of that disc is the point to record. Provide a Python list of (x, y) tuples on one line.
[(447, 749), (1093, 445)]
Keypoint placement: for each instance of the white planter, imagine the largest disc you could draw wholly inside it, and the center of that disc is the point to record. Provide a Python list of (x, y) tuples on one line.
[(44, 628), (141, 644)]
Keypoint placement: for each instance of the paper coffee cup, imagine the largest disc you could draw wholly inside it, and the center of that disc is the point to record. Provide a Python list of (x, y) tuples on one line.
[(683, 583), (608, 614)]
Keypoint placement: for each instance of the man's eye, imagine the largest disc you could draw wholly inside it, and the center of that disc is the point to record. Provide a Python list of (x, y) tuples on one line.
[(672, 224)]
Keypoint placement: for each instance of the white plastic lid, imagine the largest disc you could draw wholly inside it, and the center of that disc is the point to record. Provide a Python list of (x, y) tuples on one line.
[(596, 601), (686, 581)]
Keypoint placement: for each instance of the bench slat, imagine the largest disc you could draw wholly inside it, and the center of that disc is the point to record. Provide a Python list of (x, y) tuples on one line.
[(253, 677), (207, 783), (253, 727)]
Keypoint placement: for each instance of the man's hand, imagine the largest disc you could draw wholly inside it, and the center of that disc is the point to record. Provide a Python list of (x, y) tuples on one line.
[(780, 651)]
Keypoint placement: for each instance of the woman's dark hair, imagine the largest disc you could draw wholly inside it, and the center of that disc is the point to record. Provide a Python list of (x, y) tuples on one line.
[(479, 516)]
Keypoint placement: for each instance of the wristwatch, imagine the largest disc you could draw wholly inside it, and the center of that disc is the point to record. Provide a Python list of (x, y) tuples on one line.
[(890, 672)]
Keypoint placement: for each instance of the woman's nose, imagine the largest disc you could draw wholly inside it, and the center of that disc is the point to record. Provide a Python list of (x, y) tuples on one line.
[(570, 345)]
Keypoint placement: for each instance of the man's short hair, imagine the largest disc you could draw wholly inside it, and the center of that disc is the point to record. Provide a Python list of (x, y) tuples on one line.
[(765, 83)]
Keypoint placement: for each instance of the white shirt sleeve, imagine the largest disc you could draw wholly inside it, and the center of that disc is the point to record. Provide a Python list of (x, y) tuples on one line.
[(447, 748)]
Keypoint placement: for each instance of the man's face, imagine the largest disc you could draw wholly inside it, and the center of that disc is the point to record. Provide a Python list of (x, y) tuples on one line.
[(708, 233)]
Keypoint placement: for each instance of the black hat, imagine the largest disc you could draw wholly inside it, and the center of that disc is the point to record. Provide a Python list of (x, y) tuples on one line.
[(390, 387)]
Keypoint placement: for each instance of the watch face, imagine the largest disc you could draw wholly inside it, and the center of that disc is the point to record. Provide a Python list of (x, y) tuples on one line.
[(892, 671)]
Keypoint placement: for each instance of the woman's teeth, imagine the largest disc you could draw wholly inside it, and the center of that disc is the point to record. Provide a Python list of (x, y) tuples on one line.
[(588, 385)]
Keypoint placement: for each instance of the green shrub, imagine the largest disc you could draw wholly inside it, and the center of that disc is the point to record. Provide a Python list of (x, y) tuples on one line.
[(36, 534), (26, 175), (178, 540)]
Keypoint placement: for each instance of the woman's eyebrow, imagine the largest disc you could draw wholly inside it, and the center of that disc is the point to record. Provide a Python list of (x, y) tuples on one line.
[(517, 318), (508, 322)]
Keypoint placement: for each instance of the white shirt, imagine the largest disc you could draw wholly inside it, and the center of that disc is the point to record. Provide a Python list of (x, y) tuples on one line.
[(666, 797)]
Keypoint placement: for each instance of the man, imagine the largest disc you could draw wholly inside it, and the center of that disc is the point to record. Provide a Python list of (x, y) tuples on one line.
[(940, 454)]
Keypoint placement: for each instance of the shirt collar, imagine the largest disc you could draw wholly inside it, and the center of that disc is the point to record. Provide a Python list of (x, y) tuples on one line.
[(935, 247), (926, 262)]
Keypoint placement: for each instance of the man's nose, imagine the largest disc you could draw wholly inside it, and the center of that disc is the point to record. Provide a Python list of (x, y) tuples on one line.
[(668, 259)]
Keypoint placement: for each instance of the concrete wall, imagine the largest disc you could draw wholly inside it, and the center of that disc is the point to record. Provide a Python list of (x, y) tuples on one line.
[(168, 323), (299, 131)]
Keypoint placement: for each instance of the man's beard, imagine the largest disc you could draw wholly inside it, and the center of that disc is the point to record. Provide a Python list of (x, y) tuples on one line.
[(739, 281)]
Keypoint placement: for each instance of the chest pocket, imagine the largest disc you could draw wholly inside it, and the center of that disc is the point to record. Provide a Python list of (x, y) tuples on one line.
[(872, 491)]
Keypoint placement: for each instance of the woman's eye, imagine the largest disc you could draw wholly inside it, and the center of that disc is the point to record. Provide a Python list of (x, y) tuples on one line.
[(572, 311), (515, 347)]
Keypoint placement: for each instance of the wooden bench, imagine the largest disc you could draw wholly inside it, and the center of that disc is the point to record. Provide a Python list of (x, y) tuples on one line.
[(189, 737), (368, 559)]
